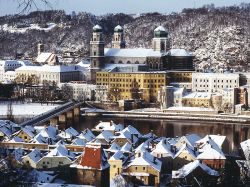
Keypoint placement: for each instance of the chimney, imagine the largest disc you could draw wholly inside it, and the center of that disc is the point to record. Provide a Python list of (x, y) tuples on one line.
[(132, 139), (154, 160)]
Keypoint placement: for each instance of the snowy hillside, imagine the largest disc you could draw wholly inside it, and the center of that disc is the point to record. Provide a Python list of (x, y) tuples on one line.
[(219, 37)]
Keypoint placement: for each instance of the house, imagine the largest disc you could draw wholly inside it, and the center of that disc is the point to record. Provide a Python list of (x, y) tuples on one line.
[(27, 133), (105, 137), (221, 141), (211, 155), (69, 134), (164, 152), (132, 130), (189, 139), (195, 173), (32, 158), (126, 149), (58, 157), (124, 137), (87, 135), (7, 128), (143, 147), (47, 58), (113, 149), (49, 132), (93, 168), (116, 163), (109, 126), (144, 170), (184, 156)]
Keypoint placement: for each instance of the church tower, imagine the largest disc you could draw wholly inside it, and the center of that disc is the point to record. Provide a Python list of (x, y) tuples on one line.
[(40, 48), (96, 51), (161, 40), (118, 38)]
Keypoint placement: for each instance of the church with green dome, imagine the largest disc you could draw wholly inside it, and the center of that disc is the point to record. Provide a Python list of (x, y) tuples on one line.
[(159, 58)]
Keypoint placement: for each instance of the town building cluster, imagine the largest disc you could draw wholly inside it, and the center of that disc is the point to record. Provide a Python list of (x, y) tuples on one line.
[(114, 151), (158, 75)]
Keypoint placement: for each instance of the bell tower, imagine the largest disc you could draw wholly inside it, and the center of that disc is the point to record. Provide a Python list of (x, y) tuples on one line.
[(96, 51), (40, 48), (118, 38), (161, 40)]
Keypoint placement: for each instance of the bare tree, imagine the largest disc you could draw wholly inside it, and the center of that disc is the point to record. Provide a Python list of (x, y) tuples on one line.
[(27, 5)]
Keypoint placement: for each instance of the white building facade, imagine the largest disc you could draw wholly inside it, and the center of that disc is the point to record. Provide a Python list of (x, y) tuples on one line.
[(214, 82)]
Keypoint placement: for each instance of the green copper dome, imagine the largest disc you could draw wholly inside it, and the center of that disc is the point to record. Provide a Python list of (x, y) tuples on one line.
[(118, 28), (160, 32), (97, 28)]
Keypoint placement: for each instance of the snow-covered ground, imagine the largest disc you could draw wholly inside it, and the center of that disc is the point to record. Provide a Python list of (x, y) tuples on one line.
[(14, 29), (26, 109)]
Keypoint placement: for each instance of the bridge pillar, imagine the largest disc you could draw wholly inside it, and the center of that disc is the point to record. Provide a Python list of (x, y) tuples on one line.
[(54, 121), (70, 116), (76, 114), (62, 118)]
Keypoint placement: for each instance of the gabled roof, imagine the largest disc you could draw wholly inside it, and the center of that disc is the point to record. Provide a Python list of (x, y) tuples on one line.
[(186, 149), (218, 139), (16, 139), (245, 146), (79, 141), (29, 130), (211, 153), (190, 167), (132, 130), (106, 135), (127, 135), (35, 155), (113, 148), (94, 157), (143, 147), (118, 156), (49, 132), (87, 135), (163, 147), (146, 159), (18, 154), (61, 151), (126, 148), (45, 57), (111, 126), (72, 131), (190, 139)]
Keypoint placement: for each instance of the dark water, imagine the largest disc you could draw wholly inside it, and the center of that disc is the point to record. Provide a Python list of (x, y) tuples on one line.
[(235, 132)]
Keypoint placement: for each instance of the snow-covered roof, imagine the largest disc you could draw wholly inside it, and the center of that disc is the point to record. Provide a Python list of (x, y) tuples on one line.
[(210, 153), (163, 147), (106, 135), (132, 130), (113, 148), (160, 28), (146, 159), (16, 139), (111, 126), (97, 27), (126, 148), (35, 155), (190, 167), (218, 139), (61, 151), (49, 132), (18, 154), (127, 135), (79, 141), (118, 27), (44, 57), (29, 130), (87, 135), (186, 149), (149, 135), (48, 68), (118, 156), (179, 52), (245, 146), (198, 95), (132, 52), (143, 147), (39, 177)]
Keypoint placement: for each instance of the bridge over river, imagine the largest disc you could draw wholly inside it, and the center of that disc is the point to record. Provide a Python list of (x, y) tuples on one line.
[(64, 114)]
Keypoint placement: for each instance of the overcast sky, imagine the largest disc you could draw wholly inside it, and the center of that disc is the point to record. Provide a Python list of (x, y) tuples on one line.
[(100, 7)]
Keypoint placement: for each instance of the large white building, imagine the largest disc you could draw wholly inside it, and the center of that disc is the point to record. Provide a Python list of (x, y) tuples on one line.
[(82, 91), (214, 82), (7, 68), (57, 74)]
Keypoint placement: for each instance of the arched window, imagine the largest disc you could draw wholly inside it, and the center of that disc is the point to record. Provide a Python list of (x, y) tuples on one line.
[(112, 62), (128, 62), (136, 62), (150, 66), (120, 62)]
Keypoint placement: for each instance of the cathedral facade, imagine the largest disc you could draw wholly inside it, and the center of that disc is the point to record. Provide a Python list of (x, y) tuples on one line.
[(159, 57)]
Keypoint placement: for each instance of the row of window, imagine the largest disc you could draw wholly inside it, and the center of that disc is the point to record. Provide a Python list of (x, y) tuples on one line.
[(218, 80)]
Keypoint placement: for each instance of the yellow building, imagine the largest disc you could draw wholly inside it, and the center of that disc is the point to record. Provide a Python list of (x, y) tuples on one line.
[(180, 76), (132, 85), (197, 99)]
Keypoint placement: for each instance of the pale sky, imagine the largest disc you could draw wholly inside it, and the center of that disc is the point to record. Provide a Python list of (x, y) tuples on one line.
[(100, 7)]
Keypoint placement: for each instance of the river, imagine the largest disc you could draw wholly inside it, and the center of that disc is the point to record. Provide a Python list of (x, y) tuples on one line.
[(235, 132)]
